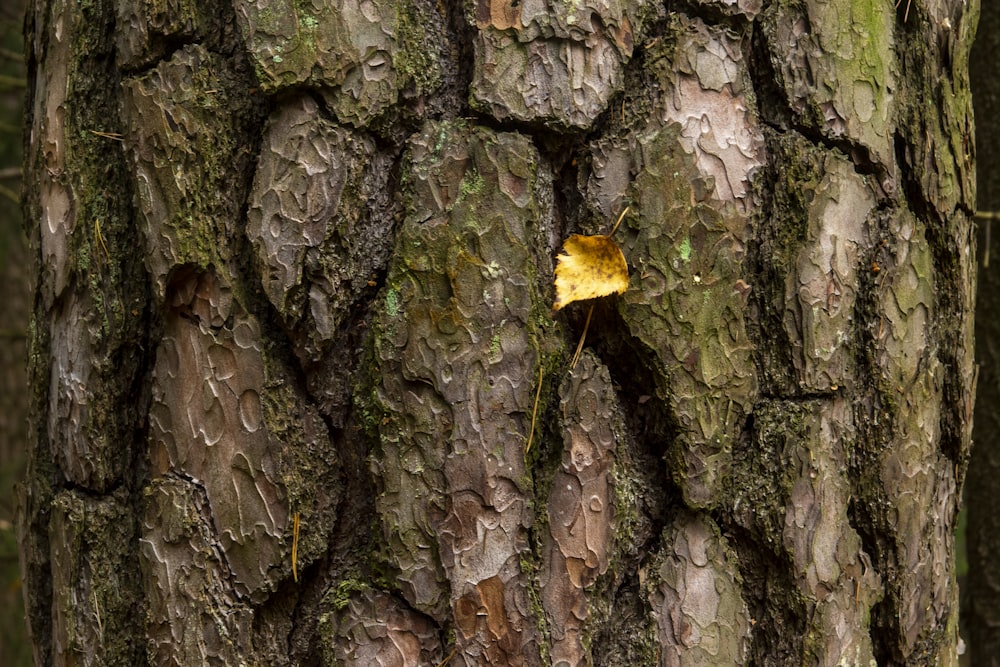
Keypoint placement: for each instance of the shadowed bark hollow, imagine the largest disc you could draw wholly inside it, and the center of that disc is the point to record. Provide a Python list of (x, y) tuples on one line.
[(293, 332)]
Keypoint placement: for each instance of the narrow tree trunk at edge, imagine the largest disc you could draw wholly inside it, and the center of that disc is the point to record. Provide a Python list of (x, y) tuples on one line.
[(293, 332)]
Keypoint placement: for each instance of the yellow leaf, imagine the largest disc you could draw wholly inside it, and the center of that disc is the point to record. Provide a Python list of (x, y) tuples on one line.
[(589, 267)]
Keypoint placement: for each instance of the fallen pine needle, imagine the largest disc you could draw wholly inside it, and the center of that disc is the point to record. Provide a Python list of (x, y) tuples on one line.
[(295, 547), (534, 410), (447, 658), (583, 337), (108, 135), (620, 218)]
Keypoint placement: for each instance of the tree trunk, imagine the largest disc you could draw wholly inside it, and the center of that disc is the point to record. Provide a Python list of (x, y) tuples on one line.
[(300, 395)]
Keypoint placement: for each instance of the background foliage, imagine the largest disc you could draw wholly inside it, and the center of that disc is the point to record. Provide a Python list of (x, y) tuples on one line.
[(14, 311)]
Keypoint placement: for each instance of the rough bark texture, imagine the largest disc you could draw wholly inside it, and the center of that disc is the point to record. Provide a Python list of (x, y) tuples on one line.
[(293, 332)]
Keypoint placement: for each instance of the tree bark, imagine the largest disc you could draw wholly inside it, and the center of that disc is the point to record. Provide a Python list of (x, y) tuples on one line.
[(293, 332)]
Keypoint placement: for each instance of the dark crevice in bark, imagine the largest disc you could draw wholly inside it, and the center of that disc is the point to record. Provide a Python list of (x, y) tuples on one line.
[(346, 344), (772, 104), (952, 424), (769, 593), (754, 526), (948, 282), (555, 143), (946, 330), (356, 510), (906, 13), (343, 357), (151, 327), (217, 32), (912, 192), (628, 110), (567, 202), (251, 126), (807, 397), (531, 564), (303, 641), (868, 507), (859, 155), (712, 13), (648, 418), (765, 327), (868, 514), (288, 95), (391, 130), (351, 545), (883, 633), (280, 609), (88, 493), (167, 46), (870, 415), (620, 639), (453, 96), (884, 626)]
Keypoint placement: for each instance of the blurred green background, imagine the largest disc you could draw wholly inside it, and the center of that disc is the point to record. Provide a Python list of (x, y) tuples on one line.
[(15, 306)]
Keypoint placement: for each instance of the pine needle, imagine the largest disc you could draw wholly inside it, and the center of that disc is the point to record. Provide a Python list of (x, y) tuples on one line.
[(906, 14), (295, 547), (449, 657), (115, 136), (583, 337), (534, 410), (620, 218)]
